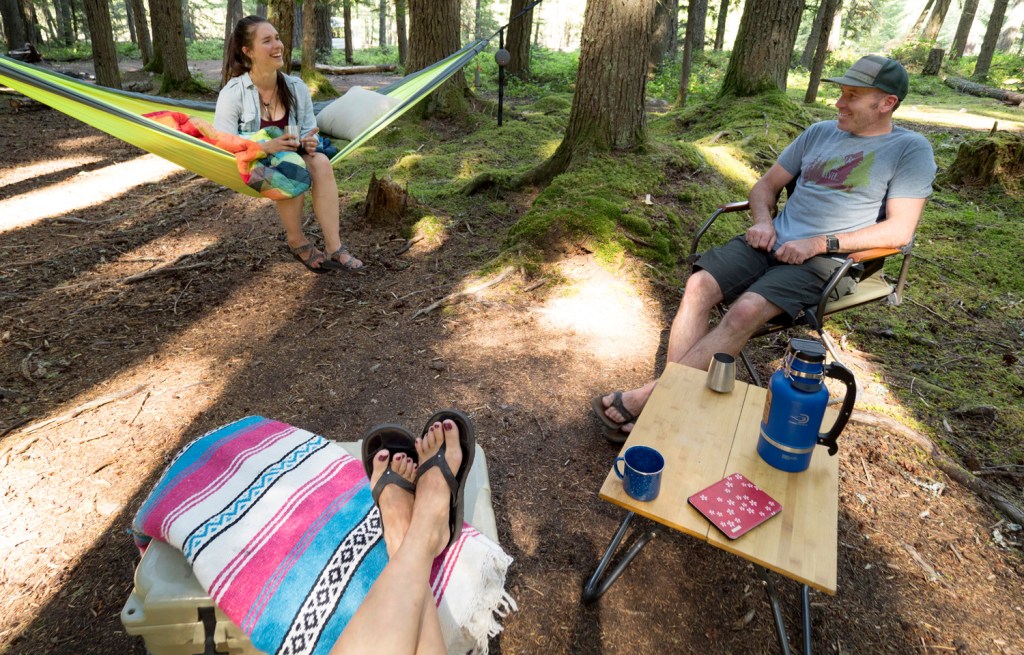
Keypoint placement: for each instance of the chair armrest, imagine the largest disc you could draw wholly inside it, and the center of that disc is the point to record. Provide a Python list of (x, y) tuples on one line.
[(738, 206), (871, 254)]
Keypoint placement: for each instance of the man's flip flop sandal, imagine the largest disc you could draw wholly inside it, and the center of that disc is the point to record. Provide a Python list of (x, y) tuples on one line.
[(395, 439), (456, 481), (613, 429)]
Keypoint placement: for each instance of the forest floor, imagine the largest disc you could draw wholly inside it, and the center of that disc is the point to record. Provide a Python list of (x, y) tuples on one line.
[(141, 306)]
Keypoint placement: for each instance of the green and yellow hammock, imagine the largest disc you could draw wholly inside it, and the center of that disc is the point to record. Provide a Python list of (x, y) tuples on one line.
[(120, 113)]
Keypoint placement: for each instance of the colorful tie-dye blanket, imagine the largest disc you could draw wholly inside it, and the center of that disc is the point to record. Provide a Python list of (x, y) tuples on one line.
[(280, 529), (279, 176)]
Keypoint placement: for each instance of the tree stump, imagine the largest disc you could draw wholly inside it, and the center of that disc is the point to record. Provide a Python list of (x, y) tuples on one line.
[(386, 202), (997, 159), (934, 63)]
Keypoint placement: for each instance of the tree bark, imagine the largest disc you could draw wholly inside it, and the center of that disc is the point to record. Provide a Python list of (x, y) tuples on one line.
[(281, 13), (401, 9), (919, 23), (382, 24), (518, 41), (231, 18), (131, 22), (934, 24), (693, 44), (261, 8), (308, 38), (827, 14), (963, 29), (347, 19), (66, 21), (324, 37), (934, 63), (434, 36), (988, 45), (723, 14), (660, 35), (104, 54), (142, 30), (608, 106), (169, 35), (807, 58), (966, 86), (14, 25), (760, 55)]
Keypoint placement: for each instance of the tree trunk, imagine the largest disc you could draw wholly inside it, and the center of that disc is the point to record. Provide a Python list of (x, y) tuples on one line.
[(673, 28), (347, 19), (993, 160), (807, 58), (188, 25), (386, 202), (308, 39), (934, 63), (169, 36), (518, 41), (435, 35), (142, 30), (76, 25), (693, 44), (760, 55), (403, 39), (104, 55), (231, 18), (934, 24), (919, 23), (281, 13), (261, 8), (965, 86), (963, 29), (827, 13), (51, 26), (661, 33), (14, 25), (608, 106), (478, 14), (723, 14), (324, 37), (382, 24), (66, 22), (988, 45), (131, 22)]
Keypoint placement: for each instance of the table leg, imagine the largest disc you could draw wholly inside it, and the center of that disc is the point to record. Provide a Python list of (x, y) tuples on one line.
[(595, 587), (780, 626)]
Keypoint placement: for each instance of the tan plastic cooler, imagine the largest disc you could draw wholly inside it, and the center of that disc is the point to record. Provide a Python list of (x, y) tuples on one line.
[(174, 615)]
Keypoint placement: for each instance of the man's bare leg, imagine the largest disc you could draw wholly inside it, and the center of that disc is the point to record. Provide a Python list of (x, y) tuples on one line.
[(392, 617)]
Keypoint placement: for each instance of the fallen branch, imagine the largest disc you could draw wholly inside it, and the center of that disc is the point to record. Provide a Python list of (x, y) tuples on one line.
[(461, 294), (166, 269), (933, 575), (85, 407), (944, 463), (975, 89), (349, 70)]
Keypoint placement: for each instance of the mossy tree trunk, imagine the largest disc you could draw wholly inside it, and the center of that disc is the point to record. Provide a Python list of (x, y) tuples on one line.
[(826, 15), (104, 54), (988, 45), (15, 30), (281, 13), (517, 40), (231, 18), (723, 15), (169, 35), (764, 43), (963, 29), (434, 35), (608, 106), (401, 10), (693, 46)]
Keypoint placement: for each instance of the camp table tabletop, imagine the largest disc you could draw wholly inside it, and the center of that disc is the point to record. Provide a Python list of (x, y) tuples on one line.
[(705, 436)]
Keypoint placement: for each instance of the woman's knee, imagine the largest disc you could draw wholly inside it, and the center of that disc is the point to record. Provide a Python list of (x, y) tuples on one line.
[(319, 166)]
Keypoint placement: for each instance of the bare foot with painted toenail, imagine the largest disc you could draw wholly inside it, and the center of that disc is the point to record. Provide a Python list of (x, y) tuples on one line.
[(431, 487), (395, 503)]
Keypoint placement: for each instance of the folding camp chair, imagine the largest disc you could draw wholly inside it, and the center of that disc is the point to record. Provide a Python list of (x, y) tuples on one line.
[(864, 266)]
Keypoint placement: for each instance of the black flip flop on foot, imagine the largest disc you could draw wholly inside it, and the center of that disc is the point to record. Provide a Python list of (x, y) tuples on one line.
[(395, 439), (457, 480), (613, 431)]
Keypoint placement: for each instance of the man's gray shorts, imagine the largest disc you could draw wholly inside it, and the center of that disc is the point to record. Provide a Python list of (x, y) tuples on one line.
[(738, 268)]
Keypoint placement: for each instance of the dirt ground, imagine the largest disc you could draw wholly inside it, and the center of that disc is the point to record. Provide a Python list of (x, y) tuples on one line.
[(142, 306)]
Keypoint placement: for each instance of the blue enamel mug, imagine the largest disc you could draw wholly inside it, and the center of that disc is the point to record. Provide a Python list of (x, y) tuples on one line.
[(642, 476)]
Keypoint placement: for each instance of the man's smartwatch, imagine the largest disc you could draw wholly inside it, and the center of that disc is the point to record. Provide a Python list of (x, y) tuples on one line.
[(831, 244)]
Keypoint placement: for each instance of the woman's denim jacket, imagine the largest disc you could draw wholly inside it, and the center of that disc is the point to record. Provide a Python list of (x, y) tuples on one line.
[(238, 106)]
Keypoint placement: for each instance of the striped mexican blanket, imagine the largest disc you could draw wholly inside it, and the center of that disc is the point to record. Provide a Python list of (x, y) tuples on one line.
[(280, 529)]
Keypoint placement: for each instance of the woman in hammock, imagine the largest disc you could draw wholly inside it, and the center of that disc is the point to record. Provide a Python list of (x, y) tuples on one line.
[(258, 95)]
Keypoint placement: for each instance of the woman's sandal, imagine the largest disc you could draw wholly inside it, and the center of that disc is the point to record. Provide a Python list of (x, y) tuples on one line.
[(456, 480), (334, 261), (395, 439), (314, 257)]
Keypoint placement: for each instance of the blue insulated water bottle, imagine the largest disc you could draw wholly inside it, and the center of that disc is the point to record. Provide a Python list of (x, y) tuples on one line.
[(797, 398)]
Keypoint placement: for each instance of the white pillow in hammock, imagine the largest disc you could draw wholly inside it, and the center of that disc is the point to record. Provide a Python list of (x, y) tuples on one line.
[(353, 112)]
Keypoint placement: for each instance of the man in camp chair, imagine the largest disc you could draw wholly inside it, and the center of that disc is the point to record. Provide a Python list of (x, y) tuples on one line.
[(850, 171)]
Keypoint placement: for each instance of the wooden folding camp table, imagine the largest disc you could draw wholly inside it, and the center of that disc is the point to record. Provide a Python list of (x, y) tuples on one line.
[(704, 437)]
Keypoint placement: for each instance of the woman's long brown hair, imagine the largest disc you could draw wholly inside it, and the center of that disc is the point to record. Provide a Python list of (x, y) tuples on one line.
[(239, 63)]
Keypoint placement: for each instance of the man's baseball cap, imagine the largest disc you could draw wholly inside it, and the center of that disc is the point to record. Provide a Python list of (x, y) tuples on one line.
[(877, 72)]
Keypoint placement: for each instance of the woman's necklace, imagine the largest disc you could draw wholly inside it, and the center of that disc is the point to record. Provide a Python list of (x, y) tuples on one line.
[(268, 105)]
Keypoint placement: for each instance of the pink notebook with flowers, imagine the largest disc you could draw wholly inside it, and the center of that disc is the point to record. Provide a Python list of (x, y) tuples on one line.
[(735, 505)]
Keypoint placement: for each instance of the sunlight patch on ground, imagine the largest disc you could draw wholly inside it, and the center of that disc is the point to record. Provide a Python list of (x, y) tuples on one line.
[(953, 118), (606, 313), (15, 175), (727, 162), (85, 190), (57, 521)]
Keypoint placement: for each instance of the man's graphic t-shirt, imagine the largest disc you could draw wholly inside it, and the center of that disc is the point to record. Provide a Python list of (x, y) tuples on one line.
[(846, 179)]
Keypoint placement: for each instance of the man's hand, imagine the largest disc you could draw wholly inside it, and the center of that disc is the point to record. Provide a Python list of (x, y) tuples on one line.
[(761, 235), (799, 251)]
